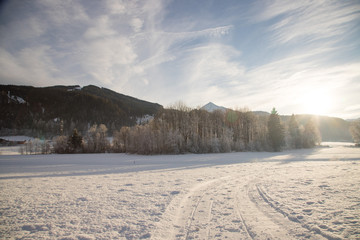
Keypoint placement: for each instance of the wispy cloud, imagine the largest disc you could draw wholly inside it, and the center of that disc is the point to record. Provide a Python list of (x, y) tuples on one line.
[(33, 64), (310, 20), (265, 55)]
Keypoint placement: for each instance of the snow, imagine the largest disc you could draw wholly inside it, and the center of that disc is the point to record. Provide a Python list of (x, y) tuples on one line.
[(75, 88), (144, 119), (10, 150), (16, 138), (16, 99), (299, 194)]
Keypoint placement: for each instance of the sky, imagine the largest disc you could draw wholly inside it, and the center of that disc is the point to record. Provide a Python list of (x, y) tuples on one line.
[(297, 56)]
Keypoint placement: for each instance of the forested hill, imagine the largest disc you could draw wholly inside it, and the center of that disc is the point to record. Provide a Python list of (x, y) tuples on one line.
[(332, 129), (50, 110)]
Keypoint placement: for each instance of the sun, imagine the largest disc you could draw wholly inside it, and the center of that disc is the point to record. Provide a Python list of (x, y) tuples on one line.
[(318, 102)]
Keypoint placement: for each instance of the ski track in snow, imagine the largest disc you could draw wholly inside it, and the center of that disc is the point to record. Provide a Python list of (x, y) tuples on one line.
[(292, 195)]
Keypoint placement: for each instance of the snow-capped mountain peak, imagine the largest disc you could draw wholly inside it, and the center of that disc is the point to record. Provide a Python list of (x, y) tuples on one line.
[(210, 107)]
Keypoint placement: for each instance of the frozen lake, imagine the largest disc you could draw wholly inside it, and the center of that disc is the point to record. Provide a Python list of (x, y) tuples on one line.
[(299, 194)]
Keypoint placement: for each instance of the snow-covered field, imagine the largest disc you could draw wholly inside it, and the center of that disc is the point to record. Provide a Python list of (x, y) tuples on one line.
[(299, 194)]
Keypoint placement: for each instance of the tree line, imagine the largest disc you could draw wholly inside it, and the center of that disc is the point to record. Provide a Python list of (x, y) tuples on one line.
[(180, 129)]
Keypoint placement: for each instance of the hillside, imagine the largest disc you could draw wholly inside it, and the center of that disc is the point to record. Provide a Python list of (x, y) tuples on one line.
[(331, 128), (52, 110)]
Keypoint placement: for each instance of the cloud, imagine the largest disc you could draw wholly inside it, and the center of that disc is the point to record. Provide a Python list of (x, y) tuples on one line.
[(31, 64), (310, 41), (164, 44), (101, 29), (261, 58), (202, 73), (115, 7), (214, 63), (310, 20), (62, 12), (114, 45), (284, 84), (107, 60), (136, 24)]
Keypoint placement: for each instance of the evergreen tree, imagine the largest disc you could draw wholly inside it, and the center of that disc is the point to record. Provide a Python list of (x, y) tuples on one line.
[(275, 131), (75, 142)]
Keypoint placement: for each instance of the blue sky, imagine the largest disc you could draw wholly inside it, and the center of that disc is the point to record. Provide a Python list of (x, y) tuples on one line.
[(297, 56)]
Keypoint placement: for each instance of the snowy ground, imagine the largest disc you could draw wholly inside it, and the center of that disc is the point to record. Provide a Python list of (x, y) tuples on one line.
[(300, 194)]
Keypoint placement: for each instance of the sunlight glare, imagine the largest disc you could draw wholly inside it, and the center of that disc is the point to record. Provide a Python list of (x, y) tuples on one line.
[(316, 102)]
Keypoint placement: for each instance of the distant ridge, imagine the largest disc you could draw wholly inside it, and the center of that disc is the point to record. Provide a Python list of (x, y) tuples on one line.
[(331, 128), (210, 107)]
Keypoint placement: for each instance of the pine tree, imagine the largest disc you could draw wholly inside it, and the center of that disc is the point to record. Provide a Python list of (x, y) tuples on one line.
[(275, 131), (75, 142)]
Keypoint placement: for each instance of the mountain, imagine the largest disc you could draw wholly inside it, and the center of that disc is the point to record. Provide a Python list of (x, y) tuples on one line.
[(58, 109), (210, 107)]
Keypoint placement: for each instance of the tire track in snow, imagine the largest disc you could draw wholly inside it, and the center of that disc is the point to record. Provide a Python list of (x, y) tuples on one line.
[(274, 222), (228, 207), (295, 226), (191, 218), (247, 230), (208, 229), (177, 219), (200, 209), (207, 211)]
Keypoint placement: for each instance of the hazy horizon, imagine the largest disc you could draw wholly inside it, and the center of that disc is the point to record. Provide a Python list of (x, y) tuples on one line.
[(300, 57)]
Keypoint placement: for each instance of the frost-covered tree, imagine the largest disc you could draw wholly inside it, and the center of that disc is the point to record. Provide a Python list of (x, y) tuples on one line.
[(45, 147), (355, 131), (60, 144), (275, 131), (96, 141), (181, 129), (311, 135), (294, 140)]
